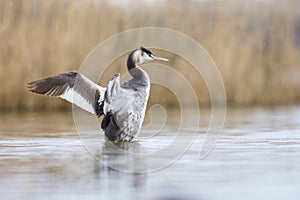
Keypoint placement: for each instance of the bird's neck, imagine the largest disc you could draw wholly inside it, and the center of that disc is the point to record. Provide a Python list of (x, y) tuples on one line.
[(131, 64), (135, 71)]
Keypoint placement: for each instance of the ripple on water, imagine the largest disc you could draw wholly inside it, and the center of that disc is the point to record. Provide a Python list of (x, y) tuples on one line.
[(257, 157)]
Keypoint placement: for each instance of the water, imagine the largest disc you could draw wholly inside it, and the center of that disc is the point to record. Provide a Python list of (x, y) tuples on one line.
[(257, 157)]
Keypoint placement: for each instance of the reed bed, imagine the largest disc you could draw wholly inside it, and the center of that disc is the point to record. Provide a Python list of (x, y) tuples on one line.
[(255, 44)]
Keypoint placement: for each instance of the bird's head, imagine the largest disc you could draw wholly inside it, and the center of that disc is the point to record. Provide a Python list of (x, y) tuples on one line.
[(143, 55)]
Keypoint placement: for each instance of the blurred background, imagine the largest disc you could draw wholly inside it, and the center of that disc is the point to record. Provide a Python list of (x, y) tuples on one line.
[(255, 44)]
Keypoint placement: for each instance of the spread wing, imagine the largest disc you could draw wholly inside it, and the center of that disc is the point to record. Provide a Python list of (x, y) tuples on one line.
[(116, 97), (73, 87)]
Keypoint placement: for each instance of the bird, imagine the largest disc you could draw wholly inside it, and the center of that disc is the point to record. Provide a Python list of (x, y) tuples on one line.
[(122, 105)]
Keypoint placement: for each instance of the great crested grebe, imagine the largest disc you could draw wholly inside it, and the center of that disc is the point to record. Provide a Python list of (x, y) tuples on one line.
[(123, 105)]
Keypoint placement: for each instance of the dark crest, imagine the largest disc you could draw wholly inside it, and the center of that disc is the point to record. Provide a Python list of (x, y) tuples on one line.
[(146, 51)]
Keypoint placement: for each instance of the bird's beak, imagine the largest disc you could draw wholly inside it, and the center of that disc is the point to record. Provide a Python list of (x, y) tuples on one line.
[(159, 58)]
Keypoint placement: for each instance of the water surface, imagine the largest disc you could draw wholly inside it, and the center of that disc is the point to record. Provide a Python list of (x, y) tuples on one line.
[(257, 157)]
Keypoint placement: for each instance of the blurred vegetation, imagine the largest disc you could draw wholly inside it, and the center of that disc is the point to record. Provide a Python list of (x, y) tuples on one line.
[(255, 44)]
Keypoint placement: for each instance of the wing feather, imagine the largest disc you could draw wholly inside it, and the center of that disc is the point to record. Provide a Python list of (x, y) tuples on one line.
[(116, 97), (73, 87)]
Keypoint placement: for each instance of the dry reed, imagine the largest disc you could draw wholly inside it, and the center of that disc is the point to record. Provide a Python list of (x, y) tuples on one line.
[(253, 43)]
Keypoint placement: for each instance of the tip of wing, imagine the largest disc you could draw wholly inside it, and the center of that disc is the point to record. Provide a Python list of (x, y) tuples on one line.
[(46, 88)]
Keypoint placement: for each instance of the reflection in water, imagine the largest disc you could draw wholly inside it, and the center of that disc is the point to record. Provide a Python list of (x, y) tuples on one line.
[(257, 157), (121, 156)]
